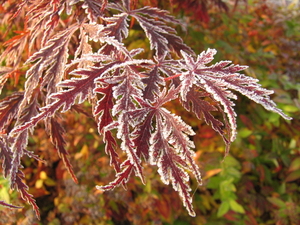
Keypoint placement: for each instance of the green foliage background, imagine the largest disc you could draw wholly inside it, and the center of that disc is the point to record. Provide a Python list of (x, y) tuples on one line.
[(258, 183)]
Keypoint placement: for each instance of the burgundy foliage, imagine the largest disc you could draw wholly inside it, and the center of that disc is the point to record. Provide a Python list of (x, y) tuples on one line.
[(127, 92)]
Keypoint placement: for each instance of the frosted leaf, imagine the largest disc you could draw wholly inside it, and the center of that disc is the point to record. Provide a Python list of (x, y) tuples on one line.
[(219, 80), (162, 37), (117, 27), (128, 94)]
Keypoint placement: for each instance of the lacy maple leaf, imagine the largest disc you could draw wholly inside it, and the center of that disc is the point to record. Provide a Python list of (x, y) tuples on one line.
[(81, 53)]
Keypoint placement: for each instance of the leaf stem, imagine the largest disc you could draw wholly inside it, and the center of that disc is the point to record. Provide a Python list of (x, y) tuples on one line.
[(172, 77)]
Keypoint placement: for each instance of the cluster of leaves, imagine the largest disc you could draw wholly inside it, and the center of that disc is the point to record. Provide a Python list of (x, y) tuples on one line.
[(194, 9), (78, 53), (265, 177)]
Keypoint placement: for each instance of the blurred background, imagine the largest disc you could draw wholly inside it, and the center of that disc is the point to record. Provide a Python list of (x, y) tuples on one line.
[(257, 183)]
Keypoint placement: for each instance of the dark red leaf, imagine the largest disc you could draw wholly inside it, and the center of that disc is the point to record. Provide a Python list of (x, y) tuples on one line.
[(56, 131)]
